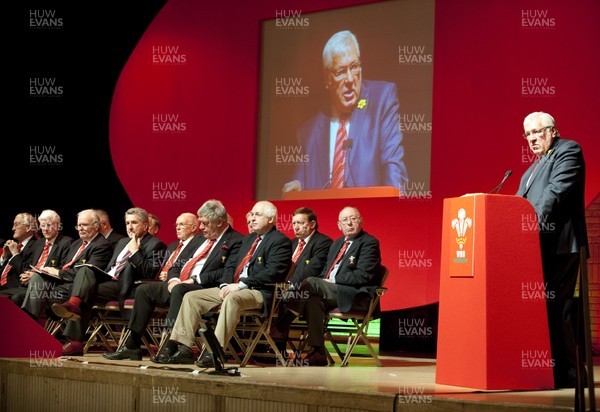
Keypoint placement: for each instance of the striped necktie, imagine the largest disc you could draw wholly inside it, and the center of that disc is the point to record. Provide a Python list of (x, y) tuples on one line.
[(338, 258), (339, 157), (44, 256), (189, 266), (246, 259), (8, 267), (79, 252)]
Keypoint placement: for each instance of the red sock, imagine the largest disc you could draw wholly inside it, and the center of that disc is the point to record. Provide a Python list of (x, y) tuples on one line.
[(75, 301)]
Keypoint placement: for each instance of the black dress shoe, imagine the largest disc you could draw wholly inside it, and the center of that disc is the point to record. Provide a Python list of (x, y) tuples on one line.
[(163, 356), (206, 361), (124, 353), (66, 310), (276, 334), (316, 359), (181, 358)]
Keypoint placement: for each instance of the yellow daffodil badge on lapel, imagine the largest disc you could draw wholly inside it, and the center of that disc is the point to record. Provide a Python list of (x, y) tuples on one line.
[(362, 103)]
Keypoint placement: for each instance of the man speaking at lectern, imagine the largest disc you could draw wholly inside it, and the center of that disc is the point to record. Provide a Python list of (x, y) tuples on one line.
[(554, 184), (358, 141)]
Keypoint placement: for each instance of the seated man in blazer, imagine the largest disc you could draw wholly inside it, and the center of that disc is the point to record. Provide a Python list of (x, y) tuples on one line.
[(56, 282), (199, 265), (48, 251), (348, 281), (134, 258), (248, 282), (17, 254)]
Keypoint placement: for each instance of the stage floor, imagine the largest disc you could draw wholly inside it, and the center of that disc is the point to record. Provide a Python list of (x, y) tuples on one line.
[(403, 383)]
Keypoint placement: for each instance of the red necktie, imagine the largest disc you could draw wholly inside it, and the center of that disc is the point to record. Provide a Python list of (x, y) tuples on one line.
[(7, 268), (246, 259), (120, 265), (298, 250), (44, 256), (187, 269), (338, 258), (171, 260), (339, 157), (79, 252)]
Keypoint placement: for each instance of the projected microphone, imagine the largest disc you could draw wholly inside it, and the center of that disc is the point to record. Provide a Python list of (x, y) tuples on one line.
[(497, 188), (347, 145)]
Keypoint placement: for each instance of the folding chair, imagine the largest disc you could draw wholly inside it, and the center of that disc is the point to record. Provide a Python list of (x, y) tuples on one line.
[(356, 326), (110, 327), (254, 329)]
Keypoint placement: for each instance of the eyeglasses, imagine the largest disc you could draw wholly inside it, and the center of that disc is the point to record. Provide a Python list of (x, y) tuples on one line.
[(340, 73), (349, 219), (535, 133), (82, 226)]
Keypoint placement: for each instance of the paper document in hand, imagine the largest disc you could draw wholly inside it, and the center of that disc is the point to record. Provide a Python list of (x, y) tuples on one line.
[(95, 268)]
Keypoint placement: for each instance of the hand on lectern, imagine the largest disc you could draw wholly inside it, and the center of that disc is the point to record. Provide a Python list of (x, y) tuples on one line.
[(293, 185)]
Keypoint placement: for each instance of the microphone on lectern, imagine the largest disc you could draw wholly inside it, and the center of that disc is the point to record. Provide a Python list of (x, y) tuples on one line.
[(497, 188)]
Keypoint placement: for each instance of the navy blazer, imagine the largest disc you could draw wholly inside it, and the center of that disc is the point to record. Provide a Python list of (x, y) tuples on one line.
[(376, 155), (212, 270), (269, 264), (19, 264), (144, 264), (360, 270), (556, 192), (184, 255), (312, 259), (97, 253), (58, 252)]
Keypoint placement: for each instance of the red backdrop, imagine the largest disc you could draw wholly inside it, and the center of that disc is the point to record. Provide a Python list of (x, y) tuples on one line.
[(189, 95)]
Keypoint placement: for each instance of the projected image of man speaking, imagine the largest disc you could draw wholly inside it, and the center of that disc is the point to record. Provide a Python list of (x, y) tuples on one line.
[(357, 141)]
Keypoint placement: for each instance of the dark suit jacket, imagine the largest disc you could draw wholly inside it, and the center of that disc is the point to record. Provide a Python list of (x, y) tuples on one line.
[(184, 255), (556, 192), (376, 155), (19, 264), (144, 264), (360, 269), (58, 253), (114, 237), (214, 267), (312, 259), (97, 253), (269, 264), (212, 271)]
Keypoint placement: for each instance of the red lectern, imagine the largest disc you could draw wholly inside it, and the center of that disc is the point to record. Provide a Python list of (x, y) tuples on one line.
[(493, 329)]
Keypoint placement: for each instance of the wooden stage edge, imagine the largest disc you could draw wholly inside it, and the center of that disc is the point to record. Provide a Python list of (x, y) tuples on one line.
[(404, 383)]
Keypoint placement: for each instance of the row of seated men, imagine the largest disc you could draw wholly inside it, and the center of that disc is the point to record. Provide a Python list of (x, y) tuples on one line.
[(210, 267)]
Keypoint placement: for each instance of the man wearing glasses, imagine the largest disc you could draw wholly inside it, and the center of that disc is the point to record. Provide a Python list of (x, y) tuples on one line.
[(54, 283), (357, 141), (554, 184), (349, 279)]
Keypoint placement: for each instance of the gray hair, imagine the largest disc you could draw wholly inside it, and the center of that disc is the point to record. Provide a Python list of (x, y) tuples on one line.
[(142, 213), (49, 215), (213, 209), (546, 119), (339, 43)]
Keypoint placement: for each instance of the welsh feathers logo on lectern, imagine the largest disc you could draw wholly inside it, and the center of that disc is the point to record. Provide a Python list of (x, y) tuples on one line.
[(459, 236), (461, 224)]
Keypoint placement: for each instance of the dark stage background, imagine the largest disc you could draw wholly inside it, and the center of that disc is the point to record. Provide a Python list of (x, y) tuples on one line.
[(156, 104)]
